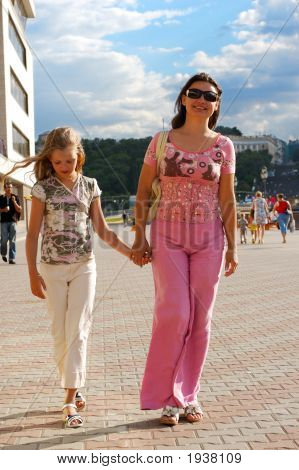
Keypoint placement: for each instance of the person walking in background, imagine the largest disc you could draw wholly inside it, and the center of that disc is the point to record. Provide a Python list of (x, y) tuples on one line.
[(66, 203), (252, 226), (261, 214), (10, 209), (243, 229), (196, 208), (284, 212), (125, 218)]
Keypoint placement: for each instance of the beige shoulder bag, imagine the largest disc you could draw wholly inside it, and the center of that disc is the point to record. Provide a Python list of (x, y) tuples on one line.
[(156, 189)]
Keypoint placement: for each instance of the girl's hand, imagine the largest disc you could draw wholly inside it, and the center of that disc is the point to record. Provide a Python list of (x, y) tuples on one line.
[(231, 262), (38, 286), (141, 252)]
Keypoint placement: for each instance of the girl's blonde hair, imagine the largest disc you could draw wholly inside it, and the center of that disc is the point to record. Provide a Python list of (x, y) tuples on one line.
[(57, 139), (259, 194)]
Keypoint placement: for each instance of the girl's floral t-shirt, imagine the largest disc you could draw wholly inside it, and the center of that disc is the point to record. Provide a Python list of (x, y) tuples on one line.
[(190, 180), (67, 230)]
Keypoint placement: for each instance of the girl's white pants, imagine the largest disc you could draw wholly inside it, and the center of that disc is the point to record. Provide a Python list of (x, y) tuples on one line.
[(70, 296)]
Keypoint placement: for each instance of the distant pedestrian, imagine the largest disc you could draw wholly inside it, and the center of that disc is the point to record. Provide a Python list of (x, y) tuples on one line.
[(67, 204), (243, 229), (125, 218), (252, 226), (284, 212), (261, 214), (10, 209)]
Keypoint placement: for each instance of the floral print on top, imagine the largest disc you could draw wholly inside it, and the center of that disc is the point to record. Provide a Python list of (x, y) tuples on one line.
[(67, 233), (190, 180)]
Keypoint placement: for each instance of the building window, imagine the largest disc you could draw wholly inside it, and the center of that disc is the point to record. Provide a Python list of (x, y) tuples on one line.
[(18, 91), (20, 142), (20, 11), (17, 42)]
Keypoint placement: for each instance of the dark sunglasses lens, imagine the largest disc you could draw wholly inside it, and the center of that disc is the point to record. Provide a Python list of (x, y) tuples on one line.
[(210, 96), (194, 94)]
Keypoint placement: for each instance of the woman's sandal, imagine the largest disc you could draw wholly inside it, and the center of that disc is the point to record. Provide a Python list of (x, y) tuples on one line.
[(80, 401), (71, 421), (170, 415), (192, 412)]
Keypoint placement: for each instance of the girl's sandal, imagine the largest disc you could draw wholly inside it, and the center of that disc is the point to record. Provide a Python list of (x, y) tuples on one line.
[(170, 415), (192, 412), (71, 421), (80, 401)]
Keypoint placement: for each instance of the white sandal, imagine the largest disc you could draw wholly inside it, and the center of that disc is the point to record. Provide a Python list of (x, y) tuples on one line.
[(193, 409), (69, 420), (170, 415)]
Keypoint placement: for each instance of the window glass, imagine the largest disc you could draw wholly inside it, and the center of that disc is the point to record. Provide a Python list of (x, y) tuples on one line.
[(20, 142)]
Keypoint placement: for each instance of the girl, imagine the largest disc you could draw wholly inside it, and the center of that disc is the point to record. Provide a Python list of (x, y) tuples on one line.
[(66, 203), (187, 240)]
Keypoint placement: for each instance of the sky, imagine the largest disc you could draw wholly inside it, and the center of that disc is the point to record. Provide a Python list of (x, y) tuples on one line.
[(113, 68)]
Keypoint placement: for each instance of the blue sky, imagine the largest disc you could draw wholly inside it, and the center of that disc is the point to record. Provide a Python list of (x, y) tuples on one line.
[(120, 64)]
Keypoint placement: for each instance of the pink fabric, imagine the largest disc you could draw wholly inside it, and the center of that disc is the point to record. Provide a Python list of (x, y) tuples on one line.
[(187, 260), (190, 180)]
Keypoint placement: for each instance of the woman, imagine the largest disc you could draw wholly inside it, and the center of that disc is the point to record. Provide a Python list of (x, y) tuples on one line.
[(187, 243), (261, 214), (284, 212)]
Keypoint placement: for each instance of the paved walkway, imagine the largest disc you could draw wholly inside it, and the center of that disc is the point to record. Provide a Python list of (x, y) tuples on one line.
[(250, 386)]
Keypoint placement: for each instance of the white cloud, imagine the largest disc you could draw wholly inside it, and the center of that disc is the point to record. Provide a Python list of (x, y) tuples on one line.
[(161, 50), (116, 95), (249, 18), (259, 73)]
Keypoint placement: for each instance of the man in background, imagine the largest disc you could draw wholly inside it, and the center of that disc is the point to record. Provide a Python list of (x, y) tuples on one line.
[(10, 210)]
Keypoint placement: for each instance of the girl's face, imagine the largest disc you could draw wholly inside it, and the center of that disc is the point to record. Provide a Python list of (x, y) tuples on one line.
[(201, 106), (64, 162)]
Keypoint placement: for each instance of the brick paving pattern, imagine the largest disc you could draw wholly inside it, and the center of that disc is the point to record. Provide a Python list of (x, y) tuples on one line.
[(250, 385)]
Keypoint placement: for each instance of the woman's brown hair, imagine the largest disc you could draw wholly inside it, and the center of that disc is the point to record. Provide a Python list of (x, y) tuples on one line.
[(180, 117)]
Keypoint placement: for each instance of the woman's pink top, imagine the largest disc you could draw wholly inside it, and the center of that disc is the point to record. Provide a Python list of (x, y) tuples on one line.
[(190, 180)]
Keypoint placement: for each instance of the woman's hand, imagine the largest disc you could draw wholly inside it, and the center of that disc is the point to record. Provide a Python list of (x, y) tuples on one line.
[(231, 262), (38, 286), (141, 253)]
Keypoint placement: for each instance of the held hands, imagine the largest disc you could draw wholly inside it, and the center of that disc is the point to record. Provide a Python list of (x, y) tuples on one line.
[(231, 262), (38, 286), (141, 253)]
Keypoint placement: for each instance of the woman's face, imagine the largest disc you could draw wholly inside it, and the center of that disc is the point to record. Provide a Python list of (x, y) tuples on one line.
[(64, 162), (201, 106)]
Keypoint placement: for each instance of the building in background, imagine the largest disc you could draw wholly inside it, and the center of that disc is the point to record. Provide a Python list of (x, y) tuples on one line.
[(272, 145), (16, 91)]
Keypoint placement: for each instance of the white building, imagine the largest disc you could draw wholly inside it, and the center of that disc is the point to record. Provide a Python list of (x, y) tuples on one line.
[(16, 90), (257, 143)]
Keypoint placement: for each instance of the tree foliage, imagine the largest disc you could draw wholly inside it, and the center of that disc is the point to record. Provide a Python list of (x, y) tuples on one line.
[(228, 130), (115, 164), (249, 164)]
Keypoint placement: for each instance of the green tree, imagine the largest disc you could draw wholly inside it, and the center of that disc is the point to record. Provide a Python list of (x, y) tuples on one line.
[(249, 166)]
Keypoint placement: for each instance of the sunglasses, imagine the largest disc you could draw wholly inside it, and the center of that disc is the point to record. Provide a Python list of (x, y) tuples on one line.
[(195, 93)]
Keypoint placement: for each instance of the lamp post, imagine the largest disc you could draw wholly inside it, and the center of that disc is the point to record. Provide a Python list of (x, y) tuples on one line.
[(264, 177), (235, 183)]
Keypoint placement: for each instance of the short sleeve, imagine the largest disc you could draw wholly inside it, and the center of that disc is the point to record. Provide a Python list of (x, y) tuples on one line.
[(39, 192), (150, 157), (96, 190), (229, 163)]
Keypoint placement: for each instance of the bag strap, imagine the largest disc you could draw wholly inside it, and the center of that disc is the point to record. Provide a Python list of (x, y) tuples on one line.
[(162, 141)]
